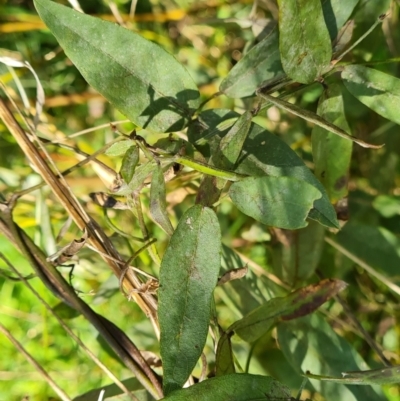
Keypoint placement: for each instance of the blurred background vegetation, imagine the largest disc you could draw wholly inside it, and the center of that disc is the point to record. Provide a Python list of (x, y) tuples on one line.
[(208, 37)]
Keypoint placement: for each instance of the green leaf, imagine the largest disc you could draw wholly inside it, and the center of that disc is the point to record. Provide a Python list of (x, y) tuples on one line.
[(304, 41), (377, 90), (141, 173), (129, 163), (331, 153), (232, 143), (310, 344), (233, 387), (188, 276), (376, 246), (380, 376), (263, 154), (119, 148), (64, 311), (299, 303), (260, 64), (336, 13), (158, 205), (276, 201), (388, 206), (138, 77), (298, 253), (246, 294), (224, 363), (225, 156)]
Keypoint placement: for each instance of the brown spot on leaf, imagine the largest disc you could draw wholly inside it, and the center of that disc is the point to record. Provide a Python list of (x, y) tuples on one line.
[(340, 183), (308, 299), (301, 58)]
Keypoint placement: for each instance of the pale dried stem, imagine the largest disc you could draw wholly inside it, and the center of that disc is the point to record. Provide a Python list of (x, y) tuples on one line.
[(59, 187)]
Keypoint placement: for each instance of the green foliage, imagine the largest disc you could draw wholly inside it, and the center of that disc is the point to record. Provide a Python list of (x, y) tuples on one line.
[(230, 232)]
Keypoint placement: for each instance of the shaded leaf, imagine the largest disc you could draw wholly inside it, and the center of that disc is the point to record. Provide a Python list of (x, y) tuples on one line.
[(137, 76), (304, 54), (224, 363), (246, 294), (377, 90), (331, 153), (129, 163), (385, 375), (260, 64), (233, 387), (376, 246), (310, 344), (225, 156), (276, 201), (299, 303), (336, 13), (298, 253), (188, 276), (158, 205)]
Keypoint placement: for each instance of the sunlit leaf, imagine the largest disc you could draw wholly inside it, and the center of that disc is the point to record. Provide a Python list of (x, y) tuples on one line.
[(331, 153), (304, 54), (188, 276), (119, 148), (233, 387), (137, 76), (260, 64), (377, 90), (275, 201)]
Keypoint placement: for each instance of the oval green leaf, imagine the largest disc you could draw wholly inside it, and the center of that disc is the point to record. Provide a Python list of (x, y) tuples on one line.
[(261, 63), (188, 276), (377, 90), (137, 76), (158, 205), (297, 255), (129, 163), (304, 41), (282, 202), (233, 387), (224, 363), (331, 153)]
